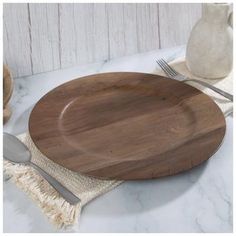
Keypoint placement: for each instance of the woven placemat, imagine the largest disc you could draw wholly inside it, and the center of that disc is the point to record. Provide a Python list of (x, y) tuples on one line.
[(60, 212)]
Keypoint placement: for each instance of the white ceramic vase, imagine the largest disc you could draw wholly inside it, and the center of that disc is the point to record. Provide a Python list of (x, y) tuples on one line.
[(209, 51)]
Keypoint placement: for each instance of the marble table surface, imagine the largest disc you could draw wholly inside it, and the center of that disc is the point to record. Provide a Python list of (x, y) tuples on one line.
[(199, 200)]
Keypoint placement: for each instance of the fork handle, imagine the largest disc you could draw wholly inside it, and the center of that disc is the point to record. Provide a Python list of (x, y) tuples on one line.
[(221, 92)]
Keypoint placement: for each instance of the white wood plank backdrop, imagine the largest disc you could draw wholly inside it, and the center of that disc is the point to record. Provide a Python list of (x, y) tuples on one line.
[(40, 37)]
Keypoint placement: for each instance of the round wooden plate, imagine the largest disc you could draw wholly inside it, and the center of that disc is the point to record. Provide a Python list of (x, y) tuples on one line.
[(127, 126)]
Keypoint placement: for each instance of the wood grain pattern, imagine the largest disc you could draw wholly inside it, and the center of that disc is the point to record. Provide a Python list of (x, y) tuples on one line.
[(176, 22), (16, 39), (116, 29), (84, 33), (67, 35), (127, 126), (130, 28), (147, 26), (44, 37), (100, 32)]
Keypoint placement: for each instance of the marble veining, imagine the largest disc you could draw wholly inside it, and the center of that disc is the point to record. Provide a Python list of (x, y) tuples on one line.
[(199, 200)]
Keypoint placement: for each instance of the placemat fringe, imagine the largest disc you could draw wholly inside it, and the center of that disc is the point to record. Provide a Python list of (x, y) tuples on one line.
[(57, 210)]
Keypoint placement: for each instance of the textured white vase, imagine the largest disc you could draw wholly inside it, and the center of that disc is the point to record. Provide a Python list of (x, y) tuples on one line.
[(209, 51)]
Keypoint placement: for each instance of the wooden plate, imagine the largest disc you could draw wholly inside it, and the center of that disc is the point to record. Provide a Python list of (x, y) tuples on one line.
[(127, 126)]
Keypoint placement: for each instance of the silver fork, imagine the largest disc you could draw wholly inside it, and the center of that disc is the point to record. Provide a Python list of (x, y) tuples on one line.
[(173, 74)]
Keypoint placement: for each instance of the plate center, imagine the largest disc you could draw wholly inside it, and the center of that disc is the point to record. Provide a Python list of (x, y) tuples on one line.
[(104, 123)]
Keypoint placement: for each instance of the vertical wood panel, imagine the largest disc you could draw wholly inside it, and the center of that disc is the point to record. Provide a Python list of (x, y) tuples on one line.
[(116, 29), (147, 24), (130, 29), (84, 33), (83, 22), (67, 35), (45, 37), (16, 46), (100, 32), (176, 22)]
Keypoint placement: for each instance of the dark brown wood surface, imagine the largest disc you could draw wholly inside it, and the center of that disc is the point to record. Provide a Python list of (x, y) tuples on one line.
[(127, 125)]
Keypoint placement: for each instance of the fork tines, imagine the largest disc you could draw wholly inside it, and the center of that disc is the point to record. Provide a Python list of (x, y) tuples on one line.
[(166, 68)]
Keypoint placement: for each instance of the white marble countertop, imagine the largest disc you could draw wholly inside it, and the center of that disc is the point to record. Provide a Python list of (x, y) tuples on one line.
[(199, 200)]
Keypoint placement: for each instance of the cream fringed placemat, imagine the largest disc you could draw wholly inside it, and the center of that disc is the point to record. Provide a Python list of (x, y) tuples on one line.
[(59, 212), (86, 188)]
